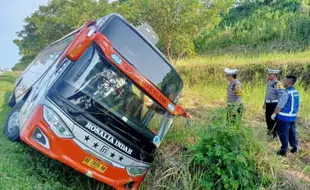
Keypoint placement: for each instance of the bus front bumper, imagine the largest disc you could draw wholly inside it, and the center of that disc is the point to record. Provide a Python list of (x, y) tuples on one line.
[(69, 153)]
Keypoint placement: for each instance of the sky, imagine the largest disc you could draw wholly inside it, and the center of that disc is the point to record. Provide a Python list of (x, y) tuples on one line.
[(12, 14)]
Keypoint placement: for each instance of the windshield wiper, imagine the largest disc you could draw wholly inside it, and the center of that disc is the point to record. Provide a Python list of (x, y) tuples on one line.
[(103, 111), (85, 112), (70, 111), (82, 70)]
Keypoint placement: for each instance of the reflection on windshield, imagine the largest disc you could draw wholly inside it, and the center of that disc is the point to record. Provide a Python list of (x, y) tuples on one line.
[(100, 86), (141, 55)]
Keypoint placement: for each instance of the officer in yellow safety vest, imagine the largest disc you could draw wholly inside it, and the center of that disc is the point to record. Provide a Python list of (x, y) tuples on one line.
[(234, 95)]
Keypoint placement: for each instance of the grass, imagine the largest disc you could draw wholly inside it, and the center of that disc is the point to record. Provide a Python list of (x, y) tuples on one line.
[(24, 168), (214, 95), (240, 60)]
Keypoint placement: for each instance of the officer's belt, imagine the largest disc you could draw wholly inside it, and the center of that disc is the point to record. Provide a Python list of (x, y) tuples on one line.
[(272, 101)]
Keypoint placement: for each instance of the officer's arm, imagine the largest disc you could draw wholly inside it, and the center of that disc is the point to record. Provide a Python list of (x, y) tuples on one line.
[(238, 101), (282, 102), (280, 89), (238, 92)]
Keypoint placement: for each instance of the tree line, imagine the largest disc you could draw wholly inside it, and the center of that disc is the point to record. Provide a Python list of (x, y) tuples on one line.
[(185, 27), (177, 22)]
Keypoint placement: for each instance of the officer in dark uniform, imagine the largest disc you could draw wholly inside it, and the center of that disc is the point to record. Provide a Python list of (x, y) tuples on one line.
[(273, 94), (234, 95)]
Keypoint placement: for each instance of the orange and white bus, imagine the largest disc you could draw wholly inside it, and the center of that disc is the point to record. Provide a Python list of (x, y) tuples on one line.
[(99, 100)]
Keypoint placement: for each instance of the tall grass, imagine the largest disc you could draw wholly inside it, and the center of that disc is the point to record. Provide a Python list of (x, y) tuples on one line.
[(254, 28), (234, 60), (206, 89), (213, 95), (173, 167)]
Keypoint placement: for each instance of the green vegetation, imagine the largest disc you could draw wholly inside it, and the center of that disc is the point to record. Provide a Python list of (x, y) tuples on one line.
[(175, 168), (226, 156), (260, 26), (211, 154), (185, 27), (211, 137), (178, 23)]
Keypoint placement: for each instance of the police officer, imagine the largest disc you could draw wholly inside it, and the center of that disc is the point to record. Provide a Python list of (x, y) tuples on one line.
[(287, 110), (273, 94), (234, 95)]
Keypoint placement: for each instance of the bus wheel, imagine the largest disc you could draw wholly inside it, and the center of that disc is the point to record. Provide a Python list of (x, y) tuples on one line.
[(11, 129)]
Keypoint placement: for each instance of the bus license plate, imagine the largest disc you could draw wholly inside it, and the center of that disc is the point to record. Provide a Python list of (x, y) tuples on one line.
[(94, 164)]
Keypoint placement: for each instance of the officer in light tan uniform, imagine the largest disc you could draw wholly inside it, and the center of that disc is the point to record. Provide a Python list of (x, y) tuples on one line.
[(234, 95), (273, 93)]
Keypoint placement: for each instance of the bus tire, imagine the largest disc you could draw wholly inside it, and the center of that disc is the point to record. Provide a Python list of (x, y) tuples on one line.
[(11, 129)]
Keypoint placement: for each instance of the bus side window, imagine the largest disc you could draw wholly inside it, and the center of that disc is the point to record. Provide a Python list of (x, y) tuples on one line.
[(44, 60)]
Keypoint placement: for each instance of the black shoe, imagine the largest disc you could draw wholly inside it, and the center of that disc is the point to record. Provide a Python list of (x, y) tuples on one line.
[(294, 151), (275, 136), (281, 153)]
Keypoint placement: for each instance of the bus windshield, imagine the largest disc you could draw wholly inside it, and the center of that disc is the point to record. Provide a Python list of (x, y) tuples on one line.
[(94, 85), (143, 57)]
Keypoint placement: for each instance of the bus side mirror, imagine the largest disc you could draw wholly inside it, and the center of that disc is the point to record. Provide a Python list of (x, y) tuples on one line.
[(188, 119), (80, 43)]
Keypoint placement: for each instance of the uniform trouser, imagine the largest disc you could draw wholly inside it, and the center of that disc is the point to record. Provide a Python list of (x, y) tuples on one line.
[(287, 134), (234, 112), (272, 125)]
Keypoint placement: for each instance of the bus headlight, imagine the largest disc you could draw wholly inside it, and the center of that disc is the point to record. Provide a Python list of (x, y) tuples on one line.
[(136, 171), (55, 123)]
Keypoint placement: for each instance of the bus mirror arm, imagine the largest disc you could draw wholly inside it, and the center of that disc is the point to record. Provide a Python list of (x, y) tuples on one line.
[(179, 111), (188, 119), (187, 115), (188, 123)]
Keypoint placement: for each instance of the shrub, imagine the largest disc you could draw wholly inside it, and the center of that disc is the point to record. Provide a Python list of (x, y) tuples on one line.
[(226, 154)]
